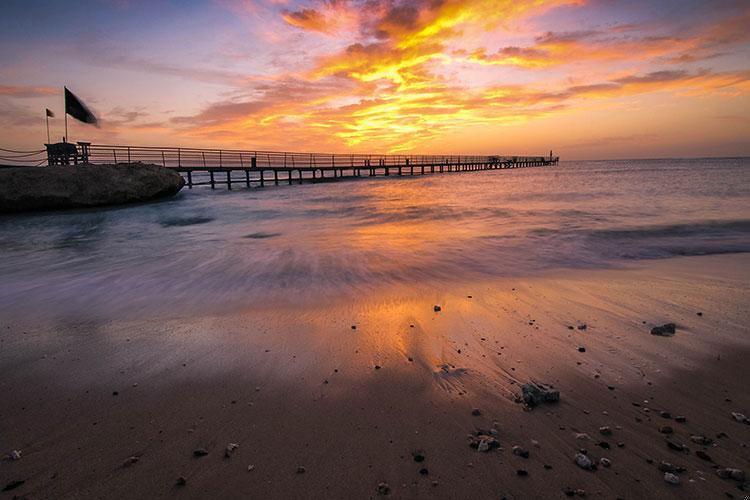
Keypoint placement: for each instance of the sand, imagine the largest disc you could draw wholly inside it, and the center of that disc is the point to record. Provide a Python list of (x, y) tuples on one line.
[(295, 386)]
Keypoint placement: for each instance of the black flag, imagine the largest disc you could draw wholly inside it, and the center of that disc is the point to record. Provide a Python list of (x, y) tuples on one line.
[(50, 114), (77, 109)]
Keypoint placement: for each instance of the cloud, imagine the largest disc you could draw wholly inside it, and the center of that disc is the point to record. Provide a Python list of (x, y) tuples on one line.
[(26, 91)]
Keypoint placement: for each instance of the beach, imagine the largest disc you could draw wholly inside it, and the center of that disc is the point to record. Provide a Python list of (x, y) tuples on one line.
[(139, 345)]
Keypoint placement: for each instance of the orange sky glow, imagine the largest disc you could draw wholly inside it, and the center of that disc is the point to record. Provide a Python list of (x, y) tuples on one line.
[(586, 78)]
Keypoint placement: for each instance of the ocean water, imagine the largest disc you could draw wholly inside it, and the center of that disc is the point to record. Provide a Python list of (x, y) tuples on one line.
[(204, 250)]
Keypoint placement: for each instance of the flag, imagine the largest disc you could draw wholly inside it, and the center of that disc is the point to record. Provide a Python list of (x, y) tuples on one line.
[(77, 109), (50, 114)]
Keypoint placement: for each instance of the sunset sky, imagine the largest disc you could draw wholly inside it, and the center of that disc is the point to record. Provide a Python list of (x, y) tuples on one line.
[(586, 78)]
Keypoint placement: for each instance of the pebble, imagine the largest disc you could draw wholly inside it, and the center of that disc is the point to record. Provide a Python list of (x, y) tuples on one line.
[(130, 461), (671, 478), (665, 414), (437, 308), (424, 471), (13, 485), (583, 461), (418, 457), (730, 473), (534, 394), (703, 455), (200, 452), (181, 481), (680, 418), (521, 452), (522, 472), (605, 431), (250, 467), (383, 489), (676, 446), (581, 349), (582, 326), (665, 429), (476, 412), (739, 417), (702, 440), (605, 462), (301, 470), (354, 327), (377, 367)]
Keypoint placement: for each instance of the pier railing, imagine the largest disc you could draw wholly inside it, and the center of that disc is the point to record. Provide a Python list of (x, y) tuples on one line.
[(241, 159)]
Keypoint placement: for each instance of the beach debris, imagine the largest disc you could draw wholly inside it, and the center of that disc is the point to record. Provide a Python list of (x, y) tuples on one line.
[(672, 478), (741, 418), (605, 462), (15, 455), (383, 489), (674, 445), (583, 461), (200, 452), (582, 326), (476, 412), (535, 394), (130, 461), (605, 431), (301, 470), (437, 308), (665, 330), (14, 484), (731, 473), (521, 452), (181, 481), (483, 441), (418, 456), (571, 492), (229, 450)]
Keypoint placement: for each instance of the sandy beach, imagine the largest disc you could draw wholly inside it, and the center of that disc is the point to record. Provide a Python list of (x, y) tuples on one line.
[(321, 409)]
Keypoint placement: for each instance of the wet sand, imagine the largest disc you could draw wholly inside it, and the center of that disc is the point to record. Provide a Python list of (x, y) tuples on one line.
[(295, 386)]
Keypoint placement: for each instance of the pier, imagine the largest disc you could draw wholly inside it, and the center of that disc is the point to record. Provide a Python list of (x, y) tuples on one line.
[(245, 168)]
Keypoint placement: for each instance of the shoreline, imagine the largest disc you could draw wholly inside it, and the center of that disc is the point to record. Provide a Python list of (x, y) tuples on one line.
[(299, 387)]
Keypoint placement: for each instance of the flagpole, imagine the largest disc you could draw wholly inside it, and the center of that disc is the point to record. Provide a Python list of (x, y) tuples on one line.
[(47, 116), (65, 109)]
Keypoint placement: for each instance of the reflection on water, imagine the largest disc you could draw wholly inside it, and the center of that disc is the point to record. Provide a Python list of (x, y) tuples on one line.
[(209, 249)]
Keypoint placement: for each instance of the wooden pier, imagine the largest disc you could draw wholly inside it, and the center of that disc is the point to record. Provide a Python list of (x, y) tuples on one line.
[(238, 168)]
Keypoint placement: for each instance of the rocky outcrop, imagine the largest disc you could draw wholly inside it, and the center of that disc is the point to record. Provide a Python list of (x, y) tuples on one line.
[(27, 189)]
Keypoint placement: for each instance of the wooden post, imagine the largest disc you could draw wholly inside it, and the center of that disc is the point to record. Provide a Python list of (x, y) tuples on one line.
[(247, 177), (229, 179), (190, 179), (211, 174), (262, 180)]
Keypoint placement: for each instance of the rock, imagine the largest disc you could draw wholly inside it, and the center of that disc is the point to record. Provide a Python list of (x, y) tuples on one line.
[(699, 313), (583, 461), (250, 467), (14, 484), (181, 481), (680, 419), (665, 330), (671, 478), (301, 470), (521, 452), (703, 455), (418, 456), (605, 462), (377, 367), (200, 452), (25, 189), (667, 467), (582, 326), (535, 394), (354, 327), (571, 492), (676, 446), (437, 308), (424, 471), (739, 417), (522, 472), (605, 431), (665, 429), (702, 440), (581, 349), (130, 461), (383, 489), (730, 473), (476, 412), (603, 444), (229, 450), (665, 414)]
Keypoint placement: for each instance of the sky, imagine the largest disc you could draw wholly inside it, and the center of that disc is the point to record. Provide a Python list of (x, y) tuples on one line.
[(588, 79)]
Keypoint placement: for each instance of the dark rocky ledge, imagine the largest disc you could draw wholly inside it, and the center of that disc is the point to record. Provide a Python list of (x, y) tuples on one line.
[(26, 189)]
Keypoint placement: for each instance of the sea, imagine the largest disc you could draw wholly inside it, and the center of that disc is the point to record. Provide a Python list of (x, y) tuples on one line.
[(205, 250)]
